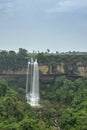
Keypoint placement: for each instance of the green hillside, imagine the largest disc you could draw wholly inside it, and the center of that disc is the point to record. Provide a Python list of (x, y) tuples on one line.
[(63, 106)]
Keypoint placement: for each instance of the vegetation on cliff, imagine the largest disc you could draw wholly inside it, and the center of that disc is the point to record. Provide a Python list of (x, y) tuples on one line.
[(11, 60)]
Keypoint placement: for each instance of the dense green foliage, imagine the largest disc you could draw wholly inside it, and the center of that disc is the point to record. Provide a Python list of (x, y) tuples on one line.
[(64, 106), (63, 102), (68, 103), (16, 114)]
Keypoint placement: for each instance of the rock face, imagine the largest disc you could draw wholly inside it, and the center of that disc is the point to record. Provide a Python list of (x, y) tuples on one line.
[(81, 69), (43, 69), (78, 69), (60, 68), (47, 72)]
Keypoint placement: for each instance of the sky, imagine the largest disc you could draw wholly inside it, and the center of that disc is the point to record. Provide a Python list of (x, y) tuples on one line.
[(57, 25)]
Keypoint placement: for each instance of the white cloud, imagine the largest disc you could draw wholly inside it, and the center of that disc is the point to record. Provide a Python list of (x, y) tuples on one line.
[(68, 5)]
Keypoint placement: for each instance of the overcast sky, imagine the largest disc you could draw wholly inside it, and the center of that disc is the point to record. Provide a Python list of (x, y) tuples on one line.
[(58, 25)]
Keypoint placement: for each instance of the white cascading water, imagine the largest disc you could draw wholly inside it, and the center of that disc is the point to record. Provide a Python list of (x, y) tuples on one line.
[(32, 83)]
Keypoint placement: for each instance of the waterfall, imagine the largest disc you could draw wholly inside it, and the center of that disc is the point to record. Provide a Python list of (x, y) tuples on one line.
[(32, 83)]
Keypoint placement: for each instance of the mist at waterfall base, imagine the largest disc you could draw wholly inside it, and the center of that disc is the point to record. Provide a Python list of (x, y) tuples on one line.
[(32, 83)]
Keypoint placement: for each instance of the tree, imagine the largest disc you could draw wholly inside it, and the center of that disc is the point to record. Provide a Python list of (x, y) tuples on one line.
[(22, 52), (48, 50), (12, 53), (3, 88)]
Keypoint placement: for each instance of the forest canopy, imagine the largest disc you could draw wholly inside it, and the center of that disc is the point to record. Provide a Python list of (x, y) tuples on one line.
[(64, 106)]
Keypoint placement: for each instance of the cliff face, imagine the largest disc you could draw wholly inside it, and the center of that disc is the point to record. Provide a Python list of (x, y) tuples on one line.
[(78, 69), (82, 69)]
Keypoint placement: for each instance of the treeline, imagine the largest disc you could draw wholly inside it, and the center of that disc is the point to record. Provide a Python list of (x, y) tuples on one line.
[(11, 60)]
